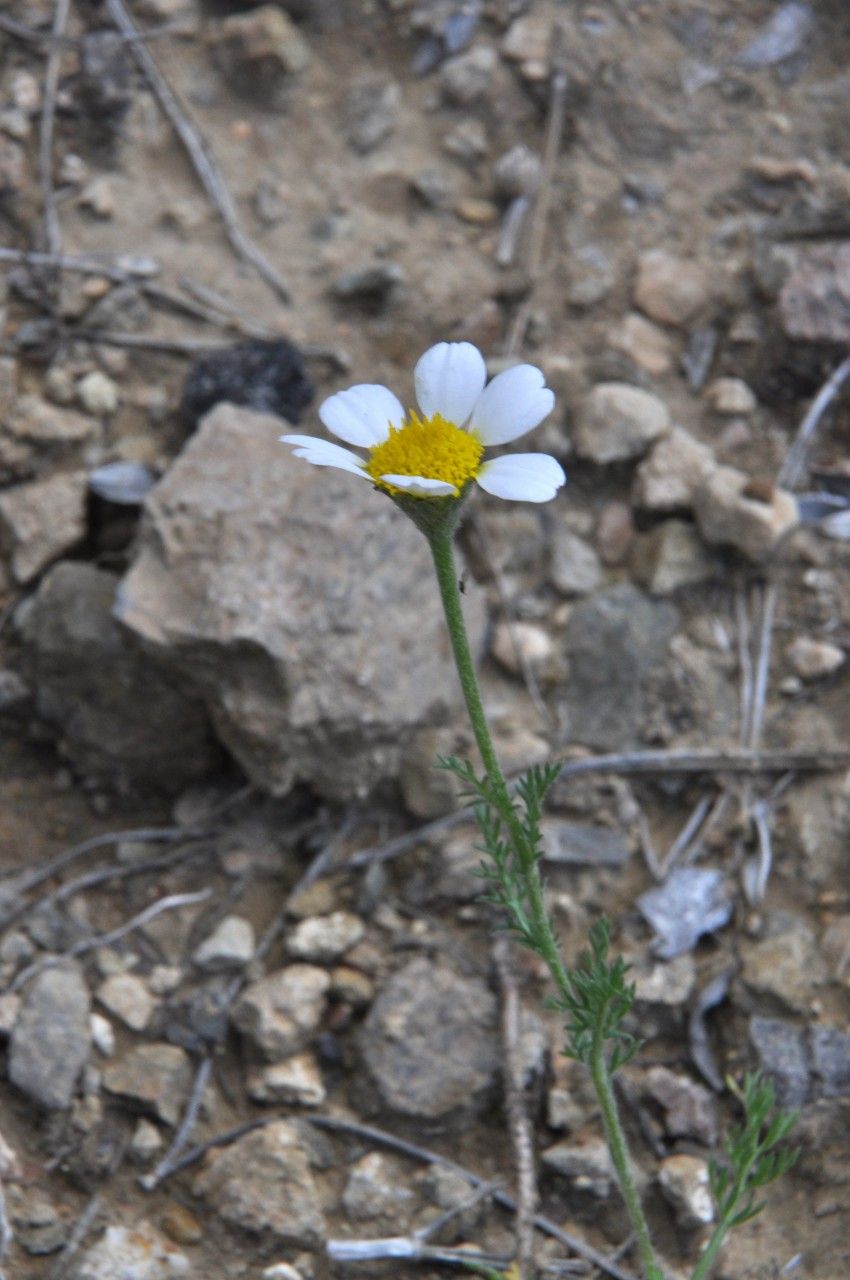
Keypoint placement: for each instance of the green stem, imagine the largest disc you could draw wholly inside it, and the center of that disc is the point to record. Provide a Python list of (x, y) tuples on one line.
[(724, 1226), (442, 550), (620, 1152)]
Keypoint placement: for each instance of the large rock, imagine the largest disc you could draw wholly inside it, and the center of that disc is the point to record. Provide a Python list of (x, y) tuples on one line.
[(614, 641), (263, 1184), (431, 1043), (51, 1039), (297, 602), (119, 714)]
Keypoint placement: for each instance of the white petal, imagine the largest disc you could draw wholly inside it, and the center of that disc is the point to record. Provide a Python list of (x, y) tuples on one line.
[(323, 453), (514, 402), (523, 477), (362, 415), (449, 378), (421, 486)]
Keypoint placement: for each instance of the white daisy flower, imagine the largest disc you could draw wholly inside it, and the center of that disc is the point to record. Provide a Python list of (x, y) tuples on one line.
[(439, 450)]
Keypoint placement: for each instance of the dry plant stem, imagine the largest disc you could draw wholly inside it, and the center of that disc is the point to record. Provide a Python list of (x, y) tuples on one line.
[(442, 550), (204, 164), (52, 233), (518, 1122)]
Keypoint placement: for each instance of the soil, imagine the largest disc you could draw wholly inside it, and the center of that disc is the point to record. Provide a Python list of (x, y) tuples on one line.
[(670, 142)]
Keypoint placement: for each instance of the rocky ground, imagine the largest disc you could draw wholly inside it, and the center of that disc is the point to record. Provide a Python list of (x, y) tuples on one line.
[(250, 1012)]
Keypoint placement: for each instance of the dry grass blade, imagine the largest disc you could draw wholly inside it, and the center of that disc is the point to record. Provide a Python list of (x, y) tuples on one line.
[(519, 1124)]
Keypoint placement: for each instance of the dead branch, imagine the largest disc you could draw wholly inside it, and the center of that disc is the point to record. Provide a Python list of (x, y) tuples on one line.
[(51, 229), (169, 1161), (522, 1138)]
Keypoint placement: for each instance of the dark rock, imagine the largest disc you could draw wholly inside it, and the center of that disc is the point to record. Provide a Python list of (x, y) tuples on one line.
[(831, 1061), (431, 1042), (50, 1041), (119, 714), (268, 376), (613, 642), (105, 86), (781, 1051)]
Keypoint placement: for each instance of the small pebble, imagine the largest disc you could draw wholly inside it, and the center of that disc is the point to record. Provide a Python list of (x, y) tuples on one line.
[(98, 394), (814, 659)]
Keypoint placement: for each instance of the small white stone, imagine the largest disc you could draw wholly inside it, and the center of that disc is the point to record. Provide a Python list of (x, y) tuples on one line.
[(230, 945), (128, 998), (521, 642), (814, 659), (10, 1007), (146, 1141), (296, 1081), (325, 938), (103, 1035), (98, 394), (281, 1271), (684, 1180), (731, 396), (165, 978)]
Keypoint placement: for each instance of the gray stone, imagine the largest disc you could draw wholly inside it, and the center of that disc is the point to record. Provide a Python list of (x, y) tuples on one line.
[(587, 1164), (153, 1076), (830, 1048), (732, 510), (119, 713), (684, 1182), (781, 1051), (41, 520), (371, 286), (262, 1183), (731, 396), (139, 1252), (668, 477), (470, 76), (672, 556), (259, 51), (34, 432), (280, 1012), (297, 1081), (128, 998), (284, 593), (814, 303), (376, 1188), (371, 112), (574, 566), (51, 1038), (579, 844), (669, 289), (690, 1110), (517, 172), (230, 945), (617, 422), (430, 1042), (783, 967), (614, 641), (325, 938)]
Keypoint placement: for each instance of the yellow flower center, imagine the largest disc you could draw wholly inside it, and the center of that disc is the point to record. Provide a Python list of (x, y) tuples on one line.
[(430, 447)]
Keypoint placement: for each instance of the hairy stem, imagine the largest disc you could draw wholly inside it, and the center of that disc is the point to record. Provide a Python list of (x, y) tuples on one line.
[(620, 1153), (442, 550)]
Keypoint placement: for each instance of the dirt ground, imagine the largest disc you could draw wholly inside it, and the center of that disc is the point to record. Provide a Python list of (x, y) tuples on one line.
[(361, 160)]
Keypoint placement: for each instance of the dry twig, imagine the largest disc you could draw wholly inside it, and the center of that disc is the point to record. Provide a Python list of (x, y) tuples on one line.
[(203, 161), (52, 232), (170, 1160), (522, 1138)]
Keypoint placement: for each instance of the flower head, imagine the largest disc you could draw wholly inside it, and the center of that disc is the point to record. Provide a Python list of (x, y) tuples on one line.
[(438, 451)]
